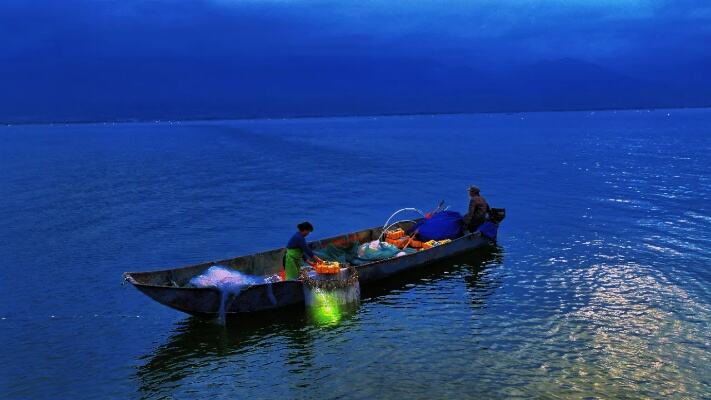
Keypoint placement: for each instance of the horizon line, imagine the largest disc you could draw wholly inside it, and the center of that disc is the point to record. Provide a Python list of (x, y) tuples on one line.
[(325, 116)]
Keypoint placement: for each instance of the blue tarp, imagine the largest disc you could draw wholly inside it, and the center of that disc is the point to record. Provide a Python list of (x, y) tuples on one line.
[(489, 229), (442, 225)]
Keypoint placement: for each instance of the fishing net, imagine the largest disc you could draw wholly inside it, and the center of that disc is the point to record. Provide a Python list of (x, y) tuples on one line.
[(377, 250), (230, 283), (224, 278), (344, 255), (358, 254)]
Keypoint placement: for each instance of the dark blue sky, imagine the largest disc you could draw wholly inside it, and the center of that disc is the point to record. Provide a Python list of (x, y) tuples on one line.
[(123, 59)]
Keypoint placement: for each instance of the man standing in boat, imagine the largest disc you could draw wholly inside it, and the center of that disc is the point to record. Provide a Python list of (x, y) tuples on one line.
[(297, 249), (478, 208)]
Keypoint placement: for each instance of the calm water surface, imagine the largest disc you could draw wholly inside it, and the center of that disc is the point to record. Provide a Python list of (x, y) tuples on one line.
[(600, 286)]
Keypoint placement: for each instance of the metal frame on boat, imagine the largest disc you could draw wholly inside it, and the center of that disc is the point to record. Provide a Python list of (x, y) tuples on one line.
[(168, 287)]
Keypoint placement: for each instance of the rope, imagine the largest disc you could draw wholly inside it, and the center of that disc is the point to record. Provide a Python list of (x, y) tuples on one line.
[(385, 226), (380, 238)]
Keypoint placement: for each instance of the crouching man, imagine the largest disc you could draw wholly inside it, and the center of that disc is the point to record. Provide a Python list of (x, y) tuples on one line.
[(478, 209)]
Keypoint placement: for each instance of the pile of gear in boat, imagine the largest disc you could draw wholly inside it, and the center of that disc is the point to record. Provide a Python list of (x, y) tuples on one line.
[(398, 238), (434, 230)]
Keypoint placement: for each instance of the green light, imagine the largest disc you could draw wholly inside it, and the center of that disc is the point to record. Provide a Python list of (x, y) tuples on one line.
[(325, 310)]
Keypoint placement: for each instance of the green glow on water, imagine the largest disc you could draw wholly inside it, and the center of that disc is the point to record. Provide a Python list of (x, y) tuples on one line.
[(326, 310)]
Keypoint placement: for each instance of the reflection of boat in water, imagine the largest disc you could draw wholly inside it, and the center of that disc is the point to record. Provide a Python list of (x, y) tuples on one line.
[(169, 287), (196, 344), (196, 341)]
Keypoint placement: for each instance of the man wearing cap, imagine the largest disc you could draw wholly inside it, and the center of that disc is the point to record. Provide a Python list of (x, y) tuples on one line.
[(478, 208)]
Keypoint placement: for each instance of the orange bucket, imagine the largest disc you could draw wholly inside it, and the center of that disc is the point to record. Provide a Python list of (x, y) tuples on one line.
[(415, 244), (395, 234), (327, 267)]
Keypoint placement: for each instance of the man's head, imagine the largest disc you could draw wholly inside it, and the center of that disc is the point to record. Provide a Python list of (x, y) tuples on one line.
[(305, 228), (473, 191)]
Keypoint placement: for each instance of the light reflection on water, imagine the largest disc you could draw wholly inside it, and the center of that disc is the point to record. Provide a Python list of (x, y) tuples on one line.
[(626, 335)]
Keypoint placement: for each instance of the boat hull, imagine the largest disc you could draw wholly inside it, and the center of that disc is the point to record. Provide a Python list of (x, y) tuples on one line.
[(163, 286)]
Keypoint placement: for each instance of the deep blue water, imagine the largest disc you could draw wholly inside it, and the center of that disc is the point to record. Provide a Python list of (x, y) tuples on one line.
[(600, 285)]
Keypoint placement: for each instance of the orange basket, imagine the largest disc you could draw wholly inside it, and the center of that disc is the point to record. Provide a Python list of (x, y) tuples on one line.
[(430, 244), (327, 267), (433, 243), (392, 241), (400, 243), (415, 244), (395, 234)]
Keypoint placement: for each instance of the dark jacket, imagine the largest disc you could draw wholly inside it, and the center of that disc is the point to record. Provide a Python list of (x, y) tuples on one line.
[(298, 241), (478, 208)]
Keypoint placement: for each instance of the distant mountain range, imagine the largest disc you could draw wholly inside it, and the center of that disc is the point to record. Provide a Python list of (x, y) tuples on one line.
[(290, 87)]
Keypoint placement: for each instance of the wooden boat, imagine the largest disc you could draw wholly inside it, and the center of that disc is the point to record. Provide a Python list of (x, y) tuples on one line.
[(168, 286)]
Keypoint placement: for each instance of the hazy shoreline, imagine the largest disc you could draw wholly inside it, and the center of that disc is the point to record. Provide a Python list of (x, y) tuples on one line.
[(324, 116)]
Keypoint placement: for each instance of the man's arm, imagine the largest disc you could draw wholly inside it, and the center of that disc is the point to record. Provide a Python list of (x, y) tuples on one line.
[(308, 253)]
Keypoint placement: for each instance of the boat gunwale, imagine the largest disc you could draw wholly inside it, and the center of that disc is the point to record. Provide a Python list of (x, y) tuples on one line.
[(130, 279), (127, 276), (227, 260)]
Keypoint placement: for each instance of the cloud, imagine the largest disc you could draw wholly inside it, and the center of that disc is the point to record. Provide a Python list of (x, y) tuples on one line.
[(83, 56), (534, 29)]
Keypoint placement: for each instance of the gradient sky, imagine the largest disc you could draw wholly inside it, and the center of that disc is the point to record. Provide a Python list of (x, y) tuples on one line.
[(124, 59)]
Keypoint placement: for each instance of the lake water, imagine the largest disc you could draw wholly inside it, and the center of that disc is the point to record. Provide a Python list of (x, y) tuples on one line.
[(600, 285)]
